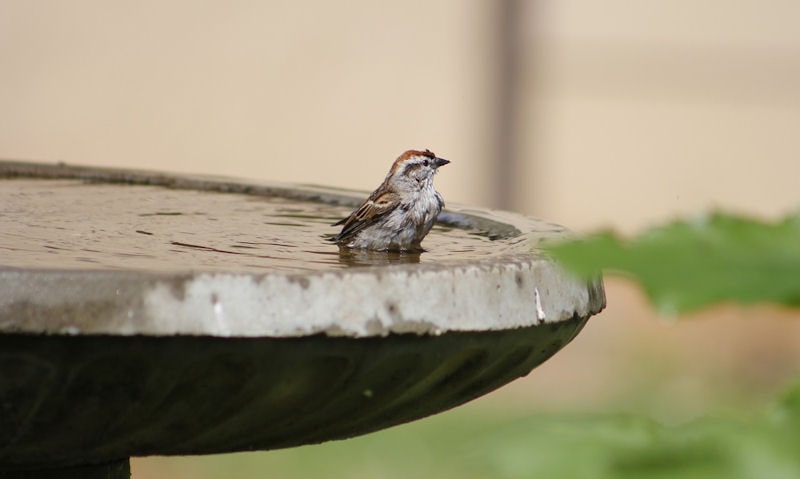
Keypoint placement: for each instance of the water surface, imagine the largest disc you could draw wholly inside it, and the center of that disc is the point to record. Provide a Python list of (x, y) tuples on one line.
[(71, 224)]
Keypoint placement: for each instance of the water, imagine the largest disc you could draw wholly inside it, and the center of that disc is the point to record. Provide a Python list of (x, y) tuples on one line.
[(70, 224)]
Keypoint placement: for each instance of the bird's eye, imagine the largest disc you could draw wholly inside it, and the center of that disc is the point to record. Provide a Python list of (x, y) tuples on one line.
[(426, 162)]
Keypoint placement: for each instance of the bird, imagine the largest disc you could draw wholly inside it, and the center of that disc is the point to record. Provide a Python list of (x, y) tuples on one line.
[(401, 211)]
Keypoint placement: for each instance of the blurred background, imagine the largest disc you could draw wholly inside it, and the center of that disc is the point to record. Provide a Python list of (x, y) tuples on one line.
[(617, 114)]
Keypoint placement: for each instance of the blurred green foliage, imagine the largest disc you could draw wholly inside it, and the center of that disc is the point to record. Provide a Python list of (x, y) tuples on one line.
[(686, 265), (683, 266), (619, 447)]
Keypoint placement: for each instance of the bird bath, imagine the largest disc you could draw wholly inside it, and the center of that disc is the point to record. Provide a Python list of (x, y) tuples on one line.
[(152, 314)]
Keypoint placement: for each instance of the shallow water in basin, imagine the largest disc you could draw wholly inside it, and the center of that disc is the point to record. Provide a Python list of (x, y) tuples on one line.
[(70, 224)]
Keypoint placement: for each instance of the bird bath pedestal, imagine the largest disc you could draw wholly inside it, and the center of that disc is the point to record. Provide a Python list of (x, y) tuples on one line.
[(152, 314)]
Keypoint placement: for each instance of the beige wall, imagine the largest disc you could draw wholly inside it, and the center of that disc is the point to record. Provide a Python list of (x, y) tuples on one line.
[(322, 92), (648, 109), (629, 111)]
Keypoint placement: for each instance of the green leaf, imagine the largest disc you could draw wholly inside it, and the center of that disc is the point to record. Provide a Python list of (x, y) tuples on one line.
[(686, 265)]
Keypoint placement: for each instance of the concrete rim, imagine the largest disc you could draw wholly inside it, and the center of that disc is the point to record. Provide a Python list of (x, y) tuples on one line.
[(516, 289)]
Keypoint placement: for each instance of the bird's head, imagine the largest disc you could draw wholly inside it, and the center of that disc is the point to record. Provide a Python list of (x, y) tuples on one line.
[(416, 165)]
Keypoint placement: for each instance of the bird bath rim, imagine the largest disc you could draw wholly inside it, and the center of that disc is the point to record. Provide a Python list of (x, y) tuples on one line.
[(516, 288)]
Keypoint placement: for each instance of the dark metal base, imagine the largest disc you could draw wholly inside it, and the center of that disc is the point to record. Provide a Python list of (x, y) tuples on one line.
[(70, 400), (111, 470)]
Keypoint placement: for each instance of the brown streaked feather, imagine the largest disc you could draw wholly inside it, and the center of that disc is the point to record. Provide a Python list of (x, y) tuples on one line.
[(376, 206)]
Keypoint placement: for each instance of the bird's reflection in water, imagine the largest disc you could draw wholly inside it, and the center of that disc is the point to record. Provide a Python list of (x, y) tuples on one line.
[(361, 257)]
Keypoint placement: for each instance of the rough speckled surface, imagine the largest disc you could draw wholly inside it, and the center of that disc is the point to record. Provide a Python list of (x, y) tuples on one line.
[(480, 296)]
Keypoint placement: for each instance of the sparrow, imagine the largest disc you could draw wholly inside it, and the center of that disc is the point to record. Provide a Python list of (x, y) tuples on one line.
[(401, 211)]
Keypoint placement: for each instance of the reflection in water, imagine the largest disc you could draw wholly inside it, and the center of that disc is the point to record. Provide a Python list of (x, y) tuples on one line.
[(66, 224), (355, 257)]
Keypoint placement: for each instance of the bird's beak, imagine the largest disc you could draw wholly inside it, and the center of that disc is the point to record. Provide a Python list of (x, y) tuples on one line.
[(437, 162)]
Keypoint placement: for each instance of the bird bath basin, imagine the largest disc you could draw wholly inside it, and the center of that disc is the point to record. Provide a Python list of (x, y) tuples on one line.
[(152, 314)]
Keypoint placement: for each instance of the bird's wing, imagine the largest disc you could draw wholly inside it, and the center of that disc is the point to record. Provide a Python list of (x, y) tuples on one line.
[(374, 208)]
